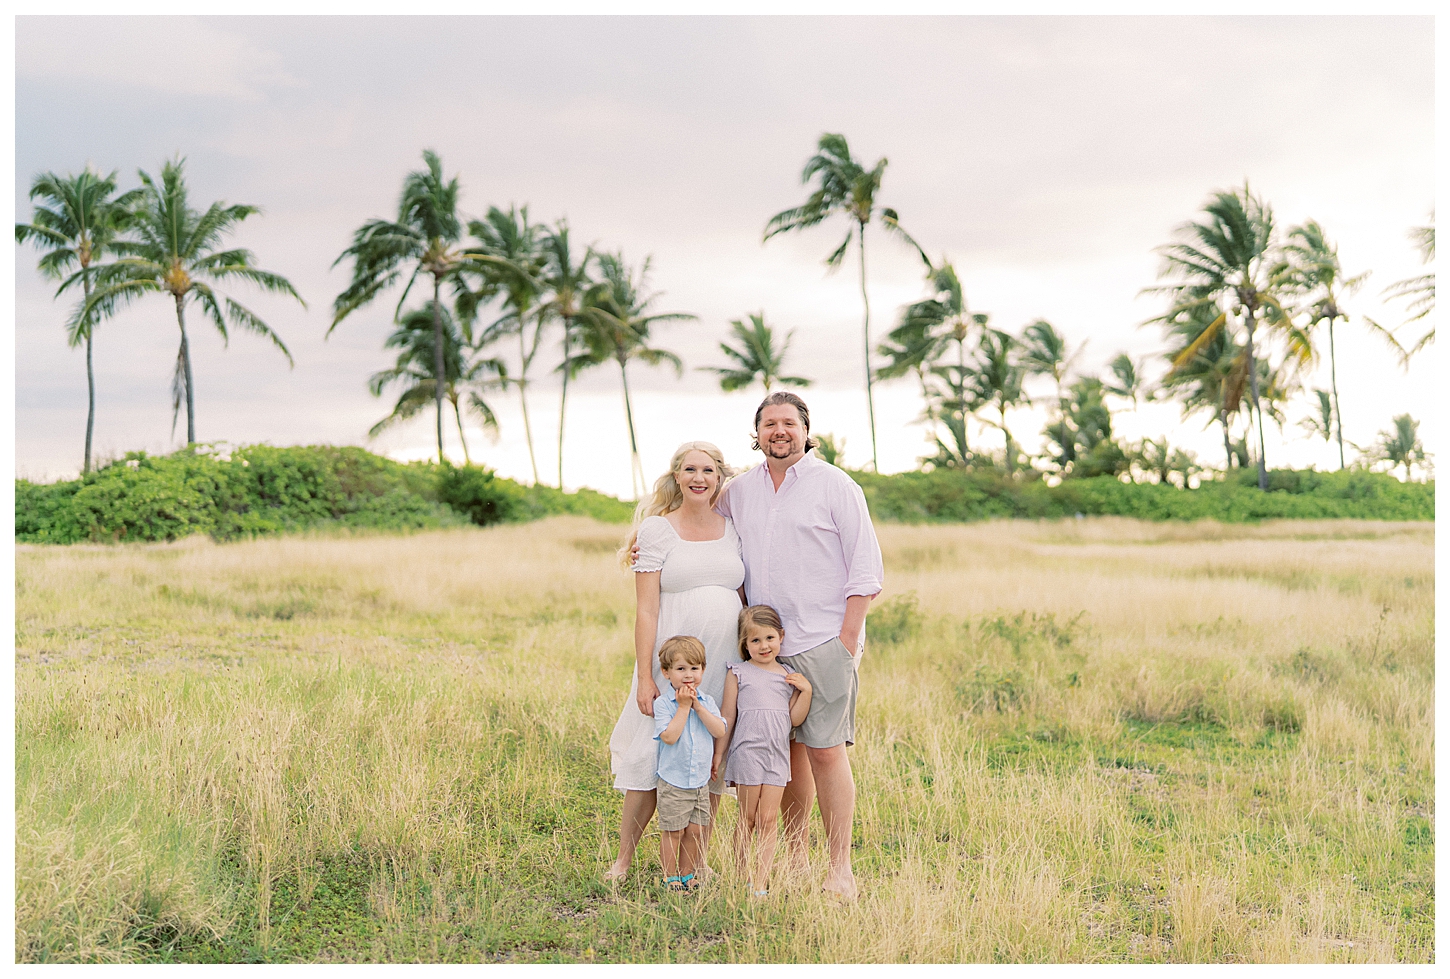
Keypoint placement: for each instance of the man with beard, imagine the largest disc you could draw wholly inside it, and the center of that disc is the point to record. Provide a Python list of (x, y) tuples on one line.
[(810, 553)]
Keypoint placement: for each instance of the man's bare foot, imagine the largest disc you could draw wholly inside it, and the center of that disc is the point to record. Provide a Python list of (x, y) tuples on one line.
[(842, 886)]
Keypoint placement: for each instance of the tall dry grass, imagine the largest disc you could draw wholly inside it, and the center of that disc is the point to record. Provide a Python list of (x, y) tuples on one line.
[(1094, 740)]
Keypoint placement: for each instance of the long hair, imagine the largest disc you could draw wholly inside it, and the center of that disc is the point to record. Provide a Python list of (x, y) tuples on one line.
[(667, 496)]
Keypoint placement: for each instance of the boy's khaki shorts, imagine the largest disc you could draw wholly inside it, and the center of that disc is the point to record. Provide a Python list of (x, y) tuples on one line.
[(831, 669), (677, 808)]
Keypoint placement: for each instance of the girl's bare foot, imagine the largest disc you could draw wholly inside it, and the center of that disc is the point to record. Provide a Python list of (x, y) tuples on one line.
[(616, 872)]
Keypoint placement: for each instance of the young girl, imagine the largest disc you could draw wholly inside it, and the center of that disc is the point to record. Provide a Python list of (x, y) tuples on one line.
[(763, 701)]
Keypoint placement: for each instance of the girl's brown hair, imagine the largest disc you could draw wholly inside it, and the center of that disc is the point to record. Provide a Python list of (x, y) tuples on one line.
[(758, 615)]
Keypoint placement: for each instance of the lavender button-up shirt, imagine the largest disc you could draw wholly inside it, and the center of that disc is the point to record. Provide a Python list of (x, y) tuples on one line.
[(807, 546)]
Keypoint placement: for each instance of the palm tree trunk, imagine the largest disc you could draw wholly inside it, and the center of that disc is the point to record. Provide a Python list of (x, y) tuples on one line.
[(1008, 437), (90, 385), (524, 400), (1254, 388), (866, 341), (636, 475), (1061, 414), (563, 400), (1228, 452), (1334, 387), (186, 372), (961, 392), (458, 417), (439, 378)]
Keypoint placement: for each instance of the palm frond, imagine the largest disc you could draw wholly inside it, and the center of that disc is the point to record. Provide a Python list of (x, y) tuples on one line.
[(245, 318), (834, 259)]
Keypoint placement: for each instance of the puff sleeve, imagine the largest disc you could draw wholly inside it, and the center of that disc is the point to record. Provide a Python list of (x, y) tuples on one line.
[(656, 539)]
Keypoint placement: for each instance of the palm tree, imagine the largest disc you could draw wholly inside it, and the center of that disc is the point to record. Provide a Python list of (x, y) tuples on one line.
[(757, 357), (1321, 423), (848, 188), (1044, 352), (921, 343), (565, 281), (417, 360), (831, 449), (1312, 267), (1214, 377), (513, 263), (175, 251), (1154, 455), (423, 240), (1086, 446), (80, 222), (1226, 264), (1126, 379), (997, 381), (1419, 290), (616, 324), (1401, 446)]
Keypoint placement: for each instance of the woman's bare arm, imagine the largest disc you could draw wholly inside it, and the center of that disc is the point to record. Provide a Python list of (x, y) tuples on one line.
[(646, 624)]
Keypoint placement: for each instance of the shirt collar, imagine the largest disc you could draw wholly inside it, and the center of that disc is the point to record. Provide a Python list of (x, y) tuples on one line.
[(806, 461)]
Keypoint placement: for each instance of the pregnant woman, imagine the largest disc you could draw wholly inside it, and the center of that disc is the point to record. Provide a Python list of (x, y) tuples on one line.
[(688, 577)]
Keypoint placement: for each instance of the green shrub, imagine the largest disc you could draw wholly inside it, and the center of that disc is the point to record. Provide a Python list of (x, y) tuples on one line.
[(957, 496), (141, 498), (43, 512), (263, 489), (479, 495), (1028, 629), (895, 620), (989, 689)]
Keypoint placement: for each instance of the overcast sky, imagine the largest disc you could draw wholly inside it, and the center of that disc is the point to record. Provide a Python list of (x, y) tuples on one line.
[(1046, 157)]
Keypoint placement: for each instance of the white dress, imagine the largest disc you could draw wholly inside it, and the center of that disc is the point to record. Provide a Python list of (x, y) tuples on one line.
[(698, 597)]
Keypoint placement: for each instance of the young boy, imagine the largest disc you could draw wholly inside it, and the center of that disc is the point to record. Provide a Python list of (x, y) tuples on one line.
[(687, 722)]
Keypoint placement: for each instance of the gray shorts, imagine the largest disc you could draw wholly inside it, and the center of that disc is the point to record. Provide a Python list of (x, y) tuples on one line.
[(831, 669), (677, 808)]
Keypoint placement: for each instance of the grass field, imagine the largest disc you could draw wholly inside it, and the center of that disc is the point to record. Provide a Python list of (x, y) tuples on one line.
[(1092, 741)]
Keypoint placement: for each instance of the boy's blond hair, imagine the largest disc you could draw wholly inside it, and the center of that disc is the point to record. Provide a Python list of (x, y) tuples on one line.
[(689, 648)]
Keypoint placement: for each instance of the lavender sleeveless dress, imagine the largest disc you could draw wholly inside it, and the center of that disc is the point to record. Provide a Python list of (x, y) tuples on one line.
[(760, 746)]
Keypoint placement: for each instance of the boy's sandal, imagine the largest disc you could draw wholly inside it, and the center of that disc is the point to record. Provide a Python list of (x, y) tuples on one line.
[(674, 885), (760, 894), (689, 882)]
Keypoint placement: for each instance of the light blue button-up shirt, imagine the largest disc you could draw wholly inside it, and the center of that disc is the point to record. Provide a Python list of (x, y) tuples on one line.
[(686, 763)]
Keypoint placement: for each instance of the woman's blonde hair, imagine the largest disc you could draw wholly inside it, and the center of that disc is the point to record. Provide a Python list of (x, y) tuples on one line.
[(667, 496)]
